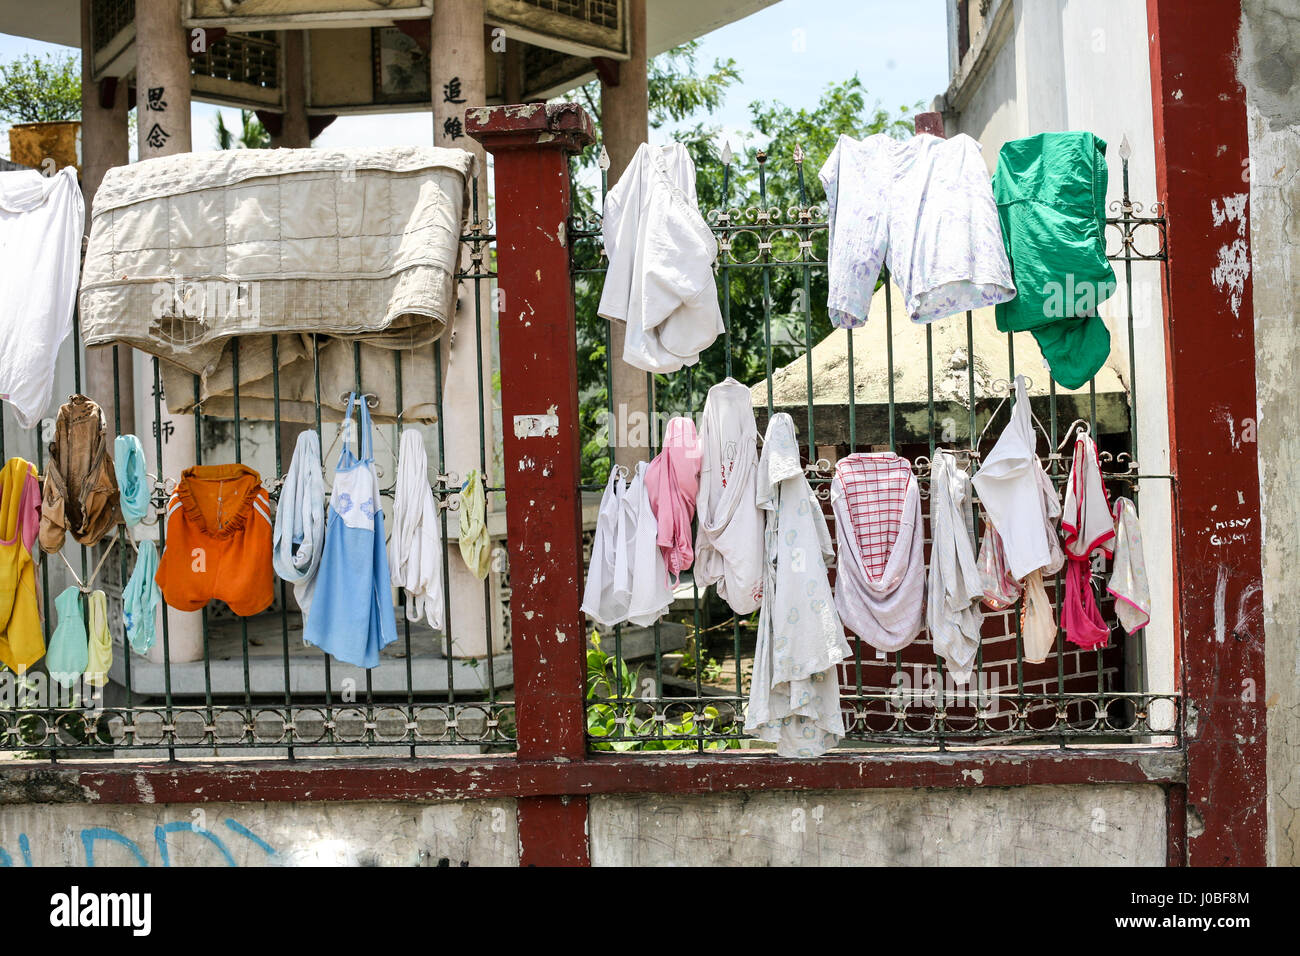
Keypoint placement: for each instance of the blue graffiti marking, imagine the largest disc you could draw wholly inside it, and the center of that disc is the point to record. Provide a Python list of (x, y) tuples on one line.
[(245, 832), (91, 834), (186, 826)]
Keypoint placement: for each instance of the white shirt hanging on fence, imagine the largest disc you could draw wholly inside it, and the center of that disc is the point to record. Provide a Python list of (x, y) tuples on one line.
[(729, 534), (661, 253), (880, 582), (952, 612), (41, 222), (608, 588), (1018, 497), (415, 550), (794, 698), (627, 580), (650, 594)]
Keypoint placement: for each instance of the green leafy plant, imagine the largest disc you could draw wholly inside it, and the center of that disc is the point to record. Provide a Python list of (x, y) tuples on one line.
[(609, 679), (701, 663)]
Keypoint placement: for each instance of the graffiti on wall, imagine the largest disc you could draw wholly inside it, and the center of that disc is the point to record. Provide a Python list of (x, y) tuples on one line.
[(166, 836)]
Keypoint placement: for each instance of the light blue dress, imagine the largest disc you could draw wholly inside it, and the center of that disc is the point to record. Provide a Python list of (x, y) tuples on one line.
[(70, 645), (352, 615)]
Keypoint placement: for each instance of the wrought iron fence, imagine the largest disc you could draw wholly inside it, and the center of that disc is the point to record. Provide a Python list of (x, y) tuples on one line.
[(683, 683), (257, 688)]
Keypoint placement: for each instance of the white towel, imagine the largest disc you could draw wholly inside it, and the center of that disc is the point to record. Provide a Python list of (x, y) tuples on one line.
[(952, 612), (650, 595), (605, 596), (886, 609), (299, 536), (729, 524), (1017, 495), (794, 696), (415, 556), (1128, 579)]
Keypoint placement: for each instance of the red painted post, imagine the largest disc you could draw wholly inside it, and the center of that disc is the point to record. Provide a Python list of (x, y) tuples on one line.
[(1202, 155), (931, 123), (539, 411)]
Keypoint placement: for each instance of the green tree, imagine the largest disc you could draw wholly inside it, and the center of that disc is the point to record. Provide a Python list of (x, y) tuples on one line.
[(41, 89), (253, 135)]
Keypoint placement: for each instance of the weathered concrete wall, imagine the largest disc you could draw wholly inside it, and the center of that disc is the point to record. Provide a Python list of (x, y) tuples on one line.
[(1269, 68), (1031, 826), (452, 833)]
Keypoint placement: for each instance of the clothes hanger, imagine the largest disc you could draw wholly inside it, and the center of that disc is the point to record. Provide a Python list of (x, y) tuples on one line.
[(925, 464), (372, 401), (88, 585), (1084, 432), (999, 383)]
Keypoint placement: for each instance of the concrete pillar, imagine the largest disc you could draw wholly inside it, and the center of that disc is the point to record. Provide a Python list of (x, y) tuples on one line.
[(1202, 151), (625, 125), (104, 143), (542, 468), (512, 77), (458, 67), (294, 133), (162, 96)]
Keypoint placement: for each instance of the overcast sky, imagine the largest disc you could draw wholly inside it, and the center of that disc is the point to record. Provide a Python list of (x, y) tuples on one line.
[(788, 52)]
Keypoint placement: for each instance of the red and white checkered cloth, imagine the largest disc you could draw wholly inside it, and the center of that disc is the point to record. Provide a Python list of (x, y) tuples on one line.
[(880, 585), (875, 487)]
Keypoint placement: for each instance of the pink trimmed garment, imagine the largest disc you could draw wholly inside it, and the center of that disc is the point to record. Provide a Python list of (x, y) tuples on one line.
[(1088, 525), (673, 481)]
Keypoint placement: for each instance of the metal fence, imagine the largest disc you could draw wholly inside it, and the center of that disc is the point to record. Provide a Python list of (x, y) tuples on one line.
[(682, 684), (257, 687)]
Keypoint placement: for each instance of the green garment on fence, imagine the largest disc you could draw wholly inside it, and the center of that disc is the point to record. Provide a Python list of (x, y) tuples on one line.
[(1051, 196), (475, 546)]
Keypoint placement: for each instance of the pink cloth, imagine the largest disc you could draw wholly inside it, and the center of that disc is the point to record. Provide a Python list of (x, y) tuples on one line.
[(672, 482), (29, 513), (1079, 613)]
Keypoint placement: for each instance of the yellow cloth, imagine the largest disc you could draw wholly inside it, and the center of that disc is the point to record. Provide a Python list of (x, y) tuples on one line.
[(101, 642), (21, 642), (475, 547)]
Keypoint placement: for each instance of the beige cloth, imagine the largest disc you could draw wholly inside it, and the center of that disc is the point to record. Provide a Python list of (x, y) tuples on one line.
[(188, 252), (297, 359), (1037, 620)]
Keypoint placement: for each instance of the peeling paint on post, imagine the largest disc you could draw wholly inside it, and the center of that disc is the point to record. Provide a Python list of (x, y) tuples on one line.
[(1202, 147), (531, 147)]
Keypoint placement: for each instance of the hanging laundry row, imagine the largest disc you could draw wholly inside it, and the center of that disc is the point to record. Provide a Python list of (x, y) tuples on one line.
[(1031, 243), (78, 494), (761, 538), (225, 542)]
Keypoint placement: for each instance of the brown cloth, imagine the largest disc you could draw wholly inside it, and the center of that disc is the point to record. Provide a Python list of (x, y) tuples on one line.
[(80, 490)]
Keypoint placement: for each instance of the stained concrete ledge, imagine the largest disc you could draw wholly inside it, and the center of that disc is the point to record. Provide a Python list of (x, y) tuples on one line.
[(1120, 825)]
